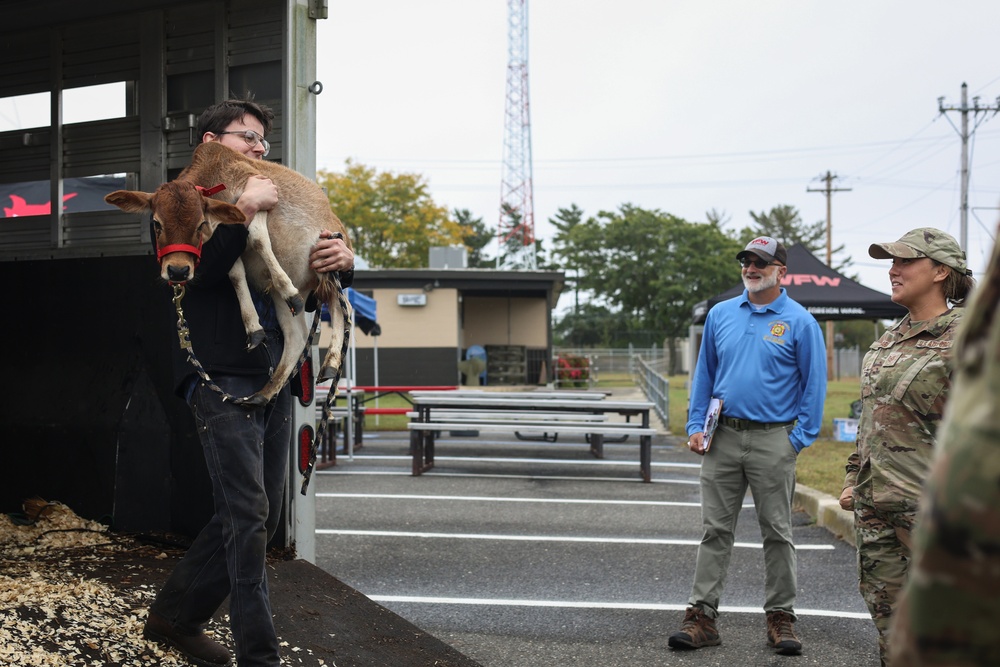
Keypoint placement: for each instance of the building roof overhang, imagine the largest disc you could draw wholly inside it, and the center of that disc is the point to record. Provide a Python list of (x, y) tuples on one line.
[(471, 282)]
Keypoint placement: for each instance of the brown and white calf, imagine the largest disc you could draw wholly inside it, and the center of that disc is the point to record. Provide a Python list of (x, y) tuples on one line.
[(276, 259)]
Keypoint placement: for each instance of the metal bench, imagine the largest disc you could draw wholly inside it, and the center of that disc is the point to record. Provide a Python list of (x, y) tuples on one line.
[(503, 415), (522, 414), (422, 438), (472, 418)]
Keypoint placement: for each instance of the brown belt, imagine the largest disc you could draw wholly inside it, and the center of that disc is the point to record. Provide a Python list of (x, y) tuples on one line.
[(747, 425)]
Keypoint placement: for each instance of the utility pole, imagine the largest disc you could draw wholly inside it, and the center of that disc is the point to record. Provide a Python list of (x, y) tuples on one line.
[(964, 133), (828, 190)]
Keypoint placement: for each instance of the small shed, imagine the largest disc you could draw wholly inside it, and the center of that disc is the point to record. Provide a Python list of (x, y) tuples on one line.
[(431, 317)]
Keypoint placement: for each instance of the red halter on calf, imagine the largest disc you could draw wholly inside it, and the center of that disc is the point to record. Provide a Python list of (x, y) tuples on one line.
[(185, 247), (179, 247), (208, 192)]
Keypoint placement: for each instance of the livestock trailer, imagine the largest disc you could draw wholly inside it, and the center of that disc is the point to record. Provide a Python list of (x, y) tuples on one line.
[(99, 95)]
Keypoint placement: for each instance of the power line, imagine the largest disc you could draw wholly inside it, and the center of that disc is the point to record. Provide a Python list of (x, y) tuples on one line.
[(896, 146), (787, 153), (906, 163), (868, 223)]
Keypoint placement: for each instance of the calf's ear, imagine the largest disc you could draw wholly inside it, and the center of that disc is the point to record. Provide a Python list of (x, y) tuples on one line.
[(221, 212), (129, 200)]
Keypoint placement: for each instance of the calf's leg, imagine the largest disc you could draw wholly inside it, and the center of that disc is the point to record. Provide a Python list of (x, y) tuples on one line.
[(251, 322), (295, 331), (281, 284), (333, 363)]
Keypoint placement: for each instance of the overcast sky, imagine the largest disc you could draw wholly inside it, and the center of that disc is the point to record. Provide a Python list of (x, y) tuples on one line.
[(682, 106)]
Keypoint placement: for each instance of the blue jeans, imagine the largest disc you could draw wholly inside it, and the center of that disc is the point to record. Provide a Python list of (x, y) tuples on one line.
[(247, 455), (764, 461)]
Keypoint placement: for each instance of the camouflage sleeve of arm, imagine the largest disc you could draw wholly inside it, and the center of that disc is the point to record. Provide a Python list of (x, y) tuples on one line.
[(852, 468), (947, 613), (954, 583)]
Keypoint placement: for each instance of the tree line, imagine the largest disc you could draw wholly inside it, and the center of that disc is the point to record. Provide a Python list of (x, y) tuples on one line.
[(633, 274)]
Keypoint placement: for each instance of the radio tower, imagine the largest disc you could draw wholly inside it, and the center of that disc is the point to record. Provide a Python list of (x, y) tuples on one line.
[(517, 216)]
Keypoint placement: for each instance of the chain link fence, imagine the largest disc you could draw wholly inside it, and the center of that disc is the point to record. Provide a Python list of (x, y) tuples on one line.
[(611, 360), (651, 378), (582, 367), (847, 362)]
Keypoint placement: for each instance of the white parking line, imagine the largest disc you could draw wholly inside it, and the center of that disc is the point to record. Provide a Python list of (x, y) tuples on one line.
[(549, 538), (571, 478), (508, 459), (500, 499), (567, 604)]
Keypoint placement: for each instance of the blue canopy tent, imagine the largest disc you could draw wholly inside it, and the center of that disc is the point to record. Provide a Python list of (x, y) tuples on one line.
[(364, 319), (364, 312)]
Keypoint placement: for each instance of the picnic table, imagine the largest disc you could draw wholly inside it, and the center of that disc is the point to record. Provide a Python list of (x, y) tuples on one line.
[(351, 415), (527, 413)]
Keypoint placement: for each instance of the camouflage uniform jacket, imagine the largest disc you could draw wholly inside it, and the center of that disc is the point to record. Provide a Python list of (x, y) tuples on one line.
[(905, 382)]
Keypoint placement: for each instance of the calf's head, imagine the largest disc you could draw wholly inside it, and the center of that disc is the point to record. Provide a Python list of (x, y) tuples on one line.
[(183, 219)]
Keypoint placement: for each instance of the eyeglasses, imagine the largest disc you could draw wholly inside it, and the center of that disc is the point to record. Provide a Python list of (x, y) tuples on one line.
[(252, 139), (746, 262)]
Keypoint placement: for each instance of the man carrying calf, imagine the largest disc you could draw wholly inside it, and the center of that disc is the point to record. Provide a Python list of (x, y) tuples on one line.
[(246, 449)]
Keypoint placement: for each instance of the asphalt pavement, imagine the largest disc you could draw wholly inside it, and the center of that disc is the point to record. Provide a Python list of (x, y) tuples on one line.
[(527, 554)]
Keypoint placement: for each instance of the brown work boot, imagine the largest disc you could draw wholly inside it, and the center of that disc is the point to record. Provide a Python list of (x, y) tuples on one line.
[(697, 630), (198, 648), (780, 634)]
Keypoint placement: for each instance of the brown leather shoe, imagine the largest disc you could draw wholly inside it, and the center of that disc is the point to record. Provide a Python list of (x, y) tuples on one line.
[(697, 630), (780, 634), (199, 649)]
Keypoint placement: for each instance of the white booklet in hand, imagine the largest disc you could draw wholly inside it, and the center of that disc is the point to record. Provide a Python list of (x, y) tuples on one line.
[(711, 421)]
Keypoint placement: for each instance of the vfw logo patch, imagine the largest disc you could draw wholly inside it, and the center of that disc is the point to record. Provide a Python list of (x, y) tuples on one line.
[(777, 332)]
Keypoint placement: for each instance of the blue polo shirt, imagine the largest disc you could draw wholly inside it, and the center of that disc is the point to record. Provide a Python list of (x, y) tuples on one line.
[(766, 366)]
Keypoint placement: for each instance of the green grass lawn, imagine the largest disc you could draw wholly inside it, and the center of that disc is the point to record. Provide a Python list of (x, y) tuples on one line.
[(820, 466)]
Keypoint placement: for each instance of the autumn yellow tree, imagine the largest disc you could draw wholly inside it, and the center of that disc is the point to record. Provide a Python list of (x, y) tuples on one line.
[(391, 218)]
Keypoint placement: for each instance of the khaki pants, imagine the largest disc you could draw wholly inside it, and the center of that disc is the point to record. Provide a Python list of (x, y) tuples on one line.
[(764, 461)]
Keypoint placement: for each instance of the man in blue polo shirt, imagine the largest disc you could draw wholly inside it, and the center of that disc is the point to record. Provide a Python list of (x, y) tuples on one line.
[(764, 357)]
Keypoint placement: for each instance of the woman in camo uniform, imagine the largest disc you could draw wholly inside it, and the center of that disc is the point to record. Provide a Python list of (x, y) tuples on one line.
[(905, 383)]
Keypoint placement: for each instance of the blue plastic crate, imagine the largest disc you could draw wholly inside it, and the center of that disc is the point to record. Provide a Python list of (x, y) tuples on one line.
[(845, 430)]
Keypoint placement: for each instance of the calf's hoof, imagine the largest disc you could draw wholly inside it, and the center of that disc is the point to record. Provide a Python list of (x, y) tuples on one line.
[(296, 304), (254, 401), (326, 373), (255, 338)]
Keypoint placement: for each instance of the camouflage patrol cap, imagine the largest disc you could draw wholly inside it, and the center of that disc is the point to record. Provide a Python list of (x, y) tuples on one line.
[(924, 242)]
